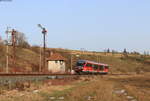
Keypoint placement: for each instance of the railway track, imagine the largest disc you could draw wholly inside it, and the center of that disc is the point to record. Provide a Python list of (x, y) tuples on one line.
[(10, 79), (30, 74), (49, 74)]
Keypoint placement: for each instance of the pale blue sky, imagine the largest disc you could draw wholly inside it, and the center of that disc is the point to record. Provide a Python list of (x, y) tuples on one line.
[(74, 24)]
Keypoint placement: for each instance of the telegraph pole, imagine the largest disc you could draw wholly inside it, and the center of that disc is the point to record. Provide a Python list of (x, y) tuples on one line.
[(40, 61), (70, 62), (7, 51), (14, 46), (44, 32), (13, 39)]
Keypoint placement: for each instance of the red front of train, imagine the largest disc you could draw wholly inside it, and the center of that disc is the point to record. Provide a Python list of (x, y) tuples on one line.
[(87, 67)]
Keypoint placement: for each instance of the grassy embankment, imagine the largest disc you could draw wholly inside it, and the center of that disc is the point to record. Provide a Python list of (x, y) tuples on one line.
[(28, 59)]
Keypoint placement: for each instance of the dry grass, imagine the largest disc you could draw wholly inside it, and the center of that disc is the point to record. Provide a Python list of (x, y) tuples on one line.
[(139, 87), (136, 86), (37, 92), (97, 90), (93, 89), (141, 94)]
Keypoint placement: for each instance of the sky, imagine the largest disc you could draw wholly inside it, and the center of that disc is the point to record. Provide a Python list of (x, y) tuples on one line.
[(94, 25)]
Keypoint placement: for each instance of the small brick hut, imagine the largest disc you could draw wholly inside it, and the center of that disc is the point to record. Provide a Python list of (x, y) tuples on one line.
[(56, 63)]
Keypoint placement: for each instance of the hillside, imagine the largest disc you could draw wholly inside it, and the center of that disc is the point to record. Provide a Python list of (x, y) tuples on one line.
[(27, 60)]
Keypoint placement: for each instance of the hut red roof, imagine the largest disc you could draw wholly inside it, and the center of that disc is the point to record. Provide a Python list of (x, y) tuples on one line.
[(56, 56)]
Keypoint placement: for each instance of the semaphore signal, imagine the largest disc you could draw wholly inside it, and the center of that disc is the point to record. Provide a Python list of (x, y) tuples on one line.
[(13, 33), (44, 32)]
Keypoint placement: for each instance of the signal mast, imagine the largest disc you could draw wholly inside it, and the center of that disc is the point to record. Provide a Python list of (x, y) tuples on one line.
[(13, 39), (44, 32)]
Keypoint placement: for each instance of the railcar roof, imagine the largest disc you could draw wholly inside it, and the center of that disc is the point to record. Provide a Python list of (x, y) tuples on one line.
[(93, 62)]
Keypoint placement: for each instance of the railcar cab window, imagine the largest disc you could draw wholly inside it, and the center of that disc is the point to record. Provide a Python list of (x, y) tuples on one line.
[(80, 63)]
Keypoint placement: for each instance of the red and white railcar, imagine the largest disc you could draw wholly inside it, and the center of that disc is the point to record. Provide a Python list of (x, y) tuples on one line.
[(90, 67)]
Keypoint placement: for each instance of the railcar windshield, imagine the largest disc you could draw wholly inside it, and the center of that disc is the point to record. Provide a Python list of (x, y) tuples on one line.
[(80, 63)]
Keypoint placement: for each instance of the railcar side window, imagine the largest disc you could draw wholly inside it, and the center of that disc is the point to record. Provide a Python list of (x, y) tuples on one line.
[(106, 67), (95, 67), (88, 65), (101, 67)]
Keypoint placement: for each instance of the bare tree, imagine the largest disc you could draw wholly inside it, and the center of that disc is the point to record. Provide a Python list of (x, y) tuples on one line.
[(108, 50), (21, 40)]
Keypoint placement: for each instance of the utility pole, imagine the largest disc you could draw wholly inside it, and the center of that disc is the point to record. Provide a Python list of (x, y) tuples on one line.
[(14, 45), (70, 62), (7, 51), (98, 58), (44, 32), (13, 39), (40, 61)]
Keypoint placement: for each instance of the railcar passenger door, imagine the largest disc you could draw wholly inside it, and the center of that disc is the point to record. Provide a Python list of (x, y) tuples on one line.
[(101, 68), (95, 68), (88, 66), (106, 68)]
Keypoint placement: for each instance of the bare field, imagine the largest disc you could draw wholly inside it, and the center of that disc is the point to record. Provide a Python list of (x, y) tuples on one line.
[(94, 88)]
